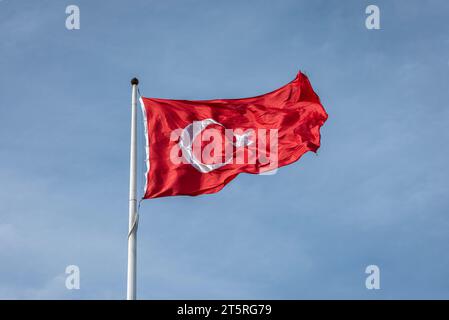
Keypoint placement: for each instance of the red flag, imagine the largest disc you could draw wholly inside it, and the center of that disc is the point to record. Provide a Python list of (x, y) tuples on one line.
[(197, 147)]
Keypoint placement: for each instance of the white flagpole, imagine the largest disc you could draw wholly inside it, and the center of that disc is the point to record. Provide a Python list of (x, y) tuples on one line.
[(132, 235)]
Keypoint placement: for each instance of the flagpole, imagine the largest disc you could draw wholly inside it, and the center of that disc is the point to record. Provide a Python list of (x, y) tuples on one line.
[(132, 225)]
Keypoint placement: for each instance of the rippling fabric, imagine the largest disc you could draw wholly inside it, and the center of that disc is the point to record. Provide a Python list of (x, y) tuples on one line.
[(294, 110)]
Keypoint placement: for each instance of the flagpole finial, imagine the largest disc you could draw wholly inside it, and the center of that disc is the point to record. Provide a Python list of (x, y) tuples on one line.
[(134, 81)]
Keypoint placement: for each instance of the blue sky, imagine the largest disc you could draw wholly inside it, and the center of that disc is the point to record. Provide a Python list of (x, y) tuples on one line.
[(377, 193)]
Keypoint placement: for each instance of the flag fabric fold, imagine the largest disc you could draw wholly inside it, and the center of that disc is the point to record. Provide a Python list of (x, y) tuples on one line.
[(197, 147)]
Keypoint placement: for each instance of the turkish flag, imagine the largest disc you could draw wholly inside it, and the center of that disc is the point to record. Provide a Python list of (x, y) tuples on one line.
[(197, 147)]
